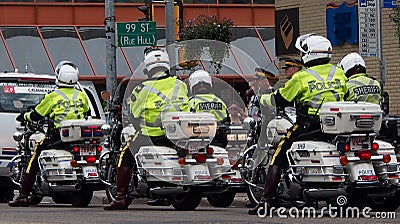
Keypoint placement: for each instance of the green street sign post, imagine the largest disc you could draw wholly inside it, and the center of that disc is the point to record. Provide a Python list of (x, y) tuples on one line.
[(134, 34)]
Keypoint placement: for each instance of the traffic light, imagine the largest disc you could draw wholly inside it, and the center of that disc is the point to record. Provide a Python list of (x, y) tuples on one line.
[(147, 10)]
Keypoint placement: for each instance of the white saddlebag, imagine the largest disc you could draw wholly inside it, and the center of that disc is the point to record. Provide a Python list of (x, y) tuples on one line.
[(55, 165), (348, 117)]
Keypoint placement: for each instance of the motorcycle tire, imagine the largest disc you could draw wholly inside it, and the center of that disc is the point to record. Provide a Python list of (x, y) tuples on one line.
[(35, 200), (186, 201), (221, 200), (60, 198), (111, 191), (255, 177), (82, 197), (385, 204)]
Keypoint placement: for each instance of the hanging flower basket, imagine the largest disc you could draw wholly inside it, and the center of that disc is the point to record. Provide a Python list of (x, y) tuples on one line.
[(208, 28)]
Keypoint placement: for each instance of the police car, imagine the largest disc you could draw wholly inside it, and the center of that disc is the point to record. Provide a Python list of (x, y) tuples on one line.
[(18, 92)]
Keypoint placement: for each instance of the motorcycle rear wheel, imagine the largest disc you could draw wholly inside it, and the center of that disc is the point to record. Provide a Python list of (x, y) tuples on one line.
[(82, 197), (221, 200), (35, 199), (386, 204), (186, 201)]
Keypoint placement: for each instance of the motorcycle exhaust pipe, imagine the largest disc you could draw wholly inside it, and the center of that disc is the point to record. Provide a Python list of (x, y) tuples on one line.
[(75, 187), (325, 193), (168, 191)]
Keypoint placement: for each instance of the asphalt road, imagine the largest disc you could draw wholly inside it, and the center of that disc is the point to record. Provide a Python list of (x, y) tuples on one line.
[(139, 212)]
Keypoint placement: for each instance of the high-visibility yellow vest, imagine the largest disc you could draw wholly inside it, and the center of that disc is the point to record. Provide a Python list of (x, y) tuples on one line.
[(153, 98)]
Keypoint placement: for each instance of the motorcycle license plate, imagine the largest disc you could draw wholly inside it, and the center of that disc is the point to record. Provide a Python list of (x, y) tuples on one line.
[(90, 172), (313, 170), (87, 150), (358, 142), (200, 172)]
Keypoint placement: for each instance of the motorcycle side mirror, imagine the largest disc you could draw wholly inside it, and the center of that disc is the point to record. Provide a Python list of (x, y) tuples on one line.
[(106, 129), (248, 123), (17, 136)]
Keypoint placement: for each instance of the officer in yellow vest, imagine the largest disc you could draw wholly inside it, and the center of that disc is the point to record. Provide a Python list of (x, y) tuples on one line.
[(149, 101), (361, 87), (320, 82), (203, 100), (64, 103)]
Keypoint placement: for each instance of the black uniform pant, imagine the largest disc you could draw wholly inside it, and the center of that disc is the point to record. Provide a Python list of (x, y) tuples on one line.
[(304, 129), (127, 159)]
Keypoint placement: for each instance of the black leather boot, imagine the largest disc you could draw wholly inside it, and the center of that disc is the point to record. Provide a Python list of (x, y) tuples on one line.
[(22, 200), (123, 178), (272, 180)]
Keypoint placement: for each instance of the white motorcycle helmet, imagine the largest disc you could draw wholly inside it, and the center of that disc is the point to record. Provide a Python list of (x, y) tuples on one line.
[(155, 58), (350, 61), (198, 77), (67, 74), (313, 47), (276, 128)]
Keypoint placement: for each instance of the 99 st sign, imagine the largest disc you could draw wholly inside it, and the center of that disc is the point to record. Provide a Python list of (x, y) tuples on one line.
[(134, 34)]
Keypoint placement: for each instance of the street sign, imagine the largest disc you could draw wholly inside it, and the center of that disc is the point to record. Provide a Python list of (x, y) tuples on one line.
[(134, 34), (390, 4), (368, 28)]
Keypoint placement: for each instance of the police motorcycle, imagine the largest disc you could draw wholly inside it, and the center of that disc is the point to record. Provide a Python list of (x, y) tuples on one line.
[(344, 165), (68, 169), (180, 174)]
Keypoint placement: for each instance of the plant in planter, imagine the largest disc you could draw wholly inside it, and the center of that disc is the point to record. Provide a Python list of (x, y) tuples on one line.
[(213, 31), (396, 20)]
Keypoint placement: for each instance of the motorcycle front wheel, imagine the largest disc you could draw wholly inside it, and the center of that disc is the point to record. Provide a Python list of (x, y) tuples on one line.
[(254, 178), (385, 204)]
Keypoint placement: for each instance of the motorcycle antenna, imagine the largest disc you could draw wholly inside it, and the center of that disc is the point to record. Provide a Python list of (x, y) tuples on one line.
[(319, 107)]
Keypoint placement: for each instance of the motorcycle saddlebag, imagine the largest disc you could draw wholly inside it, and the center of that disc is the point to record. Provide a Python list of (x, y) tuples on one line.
[(348, 117), (56, 165)]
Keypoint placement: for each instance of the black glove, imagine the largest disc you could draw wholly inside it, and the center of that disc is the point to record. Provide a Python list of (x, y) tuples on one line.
[(20, 117)]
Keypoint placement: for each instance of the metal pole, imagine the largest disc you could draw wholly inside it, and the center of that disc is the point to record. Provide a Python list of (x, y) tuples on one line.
[(382, 63), (169, 34), (109, 22)]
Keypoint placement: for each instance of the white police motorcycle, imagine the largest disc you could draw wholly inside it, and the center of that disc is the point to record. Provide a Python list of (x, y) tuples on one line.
[(181, 174), (347, 163), (68, 169)]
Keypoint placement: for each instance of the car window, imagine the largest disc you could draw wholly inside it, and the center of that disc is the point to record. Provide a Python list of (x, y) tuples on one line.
[(17, 97)]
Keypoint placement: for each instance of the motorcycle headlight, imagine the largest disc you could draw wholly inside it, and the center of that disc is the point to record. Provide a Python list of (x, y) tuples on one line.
[(106, 129), (18, 136)]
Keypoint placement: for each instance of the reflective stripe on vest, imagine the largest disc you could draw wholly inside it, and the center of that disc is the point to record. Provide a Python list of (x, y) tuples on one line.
[(67, 110), (157, 122), (314, 102)]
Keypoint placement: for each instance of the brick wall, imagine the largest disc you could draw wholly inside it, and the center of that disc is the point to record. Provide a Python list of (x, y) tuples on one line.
[(312, 20)]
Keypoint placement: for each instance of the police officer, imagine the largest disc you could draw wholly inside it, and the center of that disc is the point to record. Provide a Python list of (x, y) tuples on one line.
[(159, 94), (291, 66), (361, 87), (320, 82), (203, 100), (64, 103)]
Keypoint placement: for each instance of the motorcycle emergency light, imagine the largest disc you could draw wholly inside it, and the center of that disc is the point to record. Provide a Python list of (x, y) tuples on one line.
[(91, 159), (75, 149), (210, 150), (386, 158), (375, 146), (344, 160), (65, 132), (74, 163), (343, 147), (200, 158), (182, 161), (364, 154), (99, 148), (220, 161)]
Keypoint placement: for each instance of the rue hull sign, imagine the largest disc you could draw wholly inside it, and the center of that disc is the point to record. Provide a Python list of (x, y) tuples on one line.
[(133, 34)]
